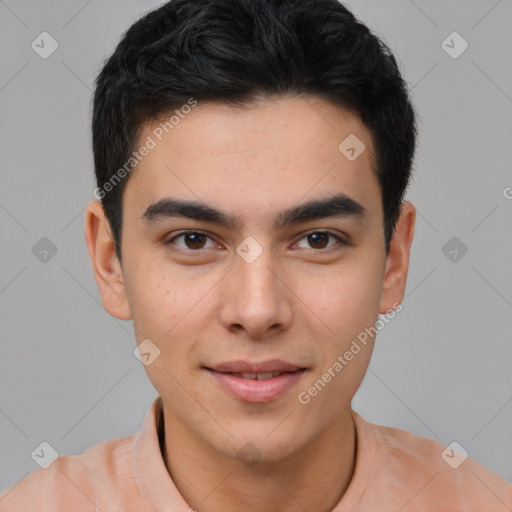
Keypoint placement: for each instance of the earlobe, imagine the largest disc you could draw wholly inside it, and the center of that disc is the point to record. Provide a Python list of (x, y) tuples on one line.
[(397, 262), (105, 264)]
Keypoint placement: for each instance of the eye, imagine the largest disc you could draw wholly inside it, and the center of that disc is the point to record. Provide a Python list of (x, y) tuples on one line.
[(320, 240), (196, 241), (192, 241)]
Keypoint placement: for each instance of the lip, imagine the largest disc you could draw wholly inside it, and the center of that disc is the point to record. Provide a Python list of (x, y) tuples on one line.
[(268, 366), (252, 390)]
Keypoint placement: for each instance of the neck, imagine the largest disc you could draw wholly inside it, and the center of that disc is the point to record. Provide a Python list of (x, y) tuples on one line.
[(313, 478)]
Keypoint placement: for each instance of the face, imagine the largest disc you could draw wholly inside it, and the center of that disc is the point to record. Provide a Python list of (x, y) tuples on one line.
[(252, 245)]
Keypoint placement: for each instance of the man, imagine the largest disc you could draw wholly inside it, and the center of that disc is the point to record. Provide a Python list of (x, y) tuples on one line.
[(251, 159)]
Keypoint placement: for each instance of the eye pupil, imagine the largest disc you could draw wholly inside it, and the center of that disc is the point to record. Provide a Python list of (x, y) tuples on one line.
[(194, 240), (316, 239)]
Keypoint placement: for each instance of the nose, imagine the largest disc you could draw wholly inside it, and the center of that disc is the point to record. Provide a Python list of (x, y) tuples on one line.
[(256, 298)]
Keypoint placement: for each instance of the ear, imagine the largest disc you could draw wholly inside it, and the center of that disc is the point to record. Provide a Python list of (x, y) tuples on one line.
[(105, 264), (397, 262)]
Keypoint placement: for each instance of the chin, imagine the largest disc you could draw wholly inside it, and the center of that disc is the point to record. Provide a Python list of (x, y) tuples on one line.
[(262, 444)]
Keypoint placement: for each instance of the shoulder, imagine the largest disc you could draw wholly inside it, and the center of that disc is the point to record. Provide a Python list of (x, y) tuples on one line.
[(64, 484), (432, 475), (73, 482)]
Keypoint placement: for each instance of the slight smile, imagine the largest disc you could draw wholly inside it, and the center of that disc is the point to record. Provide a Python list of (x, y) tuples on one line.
[(256, 382)]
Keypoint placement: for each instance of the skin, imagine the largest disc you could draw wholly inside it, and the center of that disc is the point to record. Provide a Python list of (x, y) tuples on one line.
[(298, 301)]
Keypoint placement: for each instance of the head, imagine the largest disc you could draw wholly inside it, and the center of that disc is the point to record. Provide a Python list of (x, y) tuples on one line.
[(251, 158)]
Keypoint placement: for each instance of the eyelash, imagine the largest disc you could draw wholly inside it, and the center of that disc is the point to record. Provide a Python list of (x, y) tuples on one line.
[(200, 251)]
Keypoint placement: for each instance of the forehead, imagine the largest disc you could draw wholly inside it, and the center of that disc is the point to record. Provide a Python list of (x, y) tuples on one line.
[(278, 151)]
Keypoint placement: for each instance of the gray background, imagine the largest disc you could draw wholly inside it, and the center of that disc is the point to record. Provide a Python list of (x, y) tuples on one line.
[(441, 369)]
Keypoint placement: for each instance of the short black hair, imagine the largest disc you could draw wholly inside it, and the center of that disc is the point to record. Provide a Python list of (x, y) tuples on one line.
[(233, 51)]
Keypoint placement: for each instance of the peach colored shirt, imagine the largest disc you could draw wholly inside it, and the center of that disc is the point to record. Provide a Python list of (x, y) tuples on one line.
[(395, 471)]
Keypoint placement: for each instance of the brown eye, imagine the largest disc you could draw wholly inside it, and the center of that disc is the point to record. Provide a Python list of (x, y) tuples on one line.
[(194, 240), (191, 240), (320, 240)]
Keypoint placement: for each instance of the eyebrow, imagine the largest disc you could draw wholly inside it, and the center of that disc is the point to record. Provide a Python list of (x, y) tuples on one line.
[(339, 205)]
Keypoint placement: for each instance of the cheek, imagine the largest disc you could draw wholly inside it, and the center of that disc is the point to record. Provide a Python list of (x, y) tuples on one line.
[(349, 309), (163, 312), (171, 309), (153, 298), (348, 303), (348, 300), (157, 295)]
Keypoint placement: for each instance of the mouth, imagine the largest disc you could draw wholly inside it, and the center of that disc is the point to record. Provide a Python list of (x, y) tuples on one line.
[(257, 376), (256, 382)]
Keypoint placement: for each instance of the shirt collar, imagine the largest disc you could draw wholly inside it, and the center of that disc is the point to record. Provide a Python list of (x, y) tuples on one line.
[(157, 489)]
